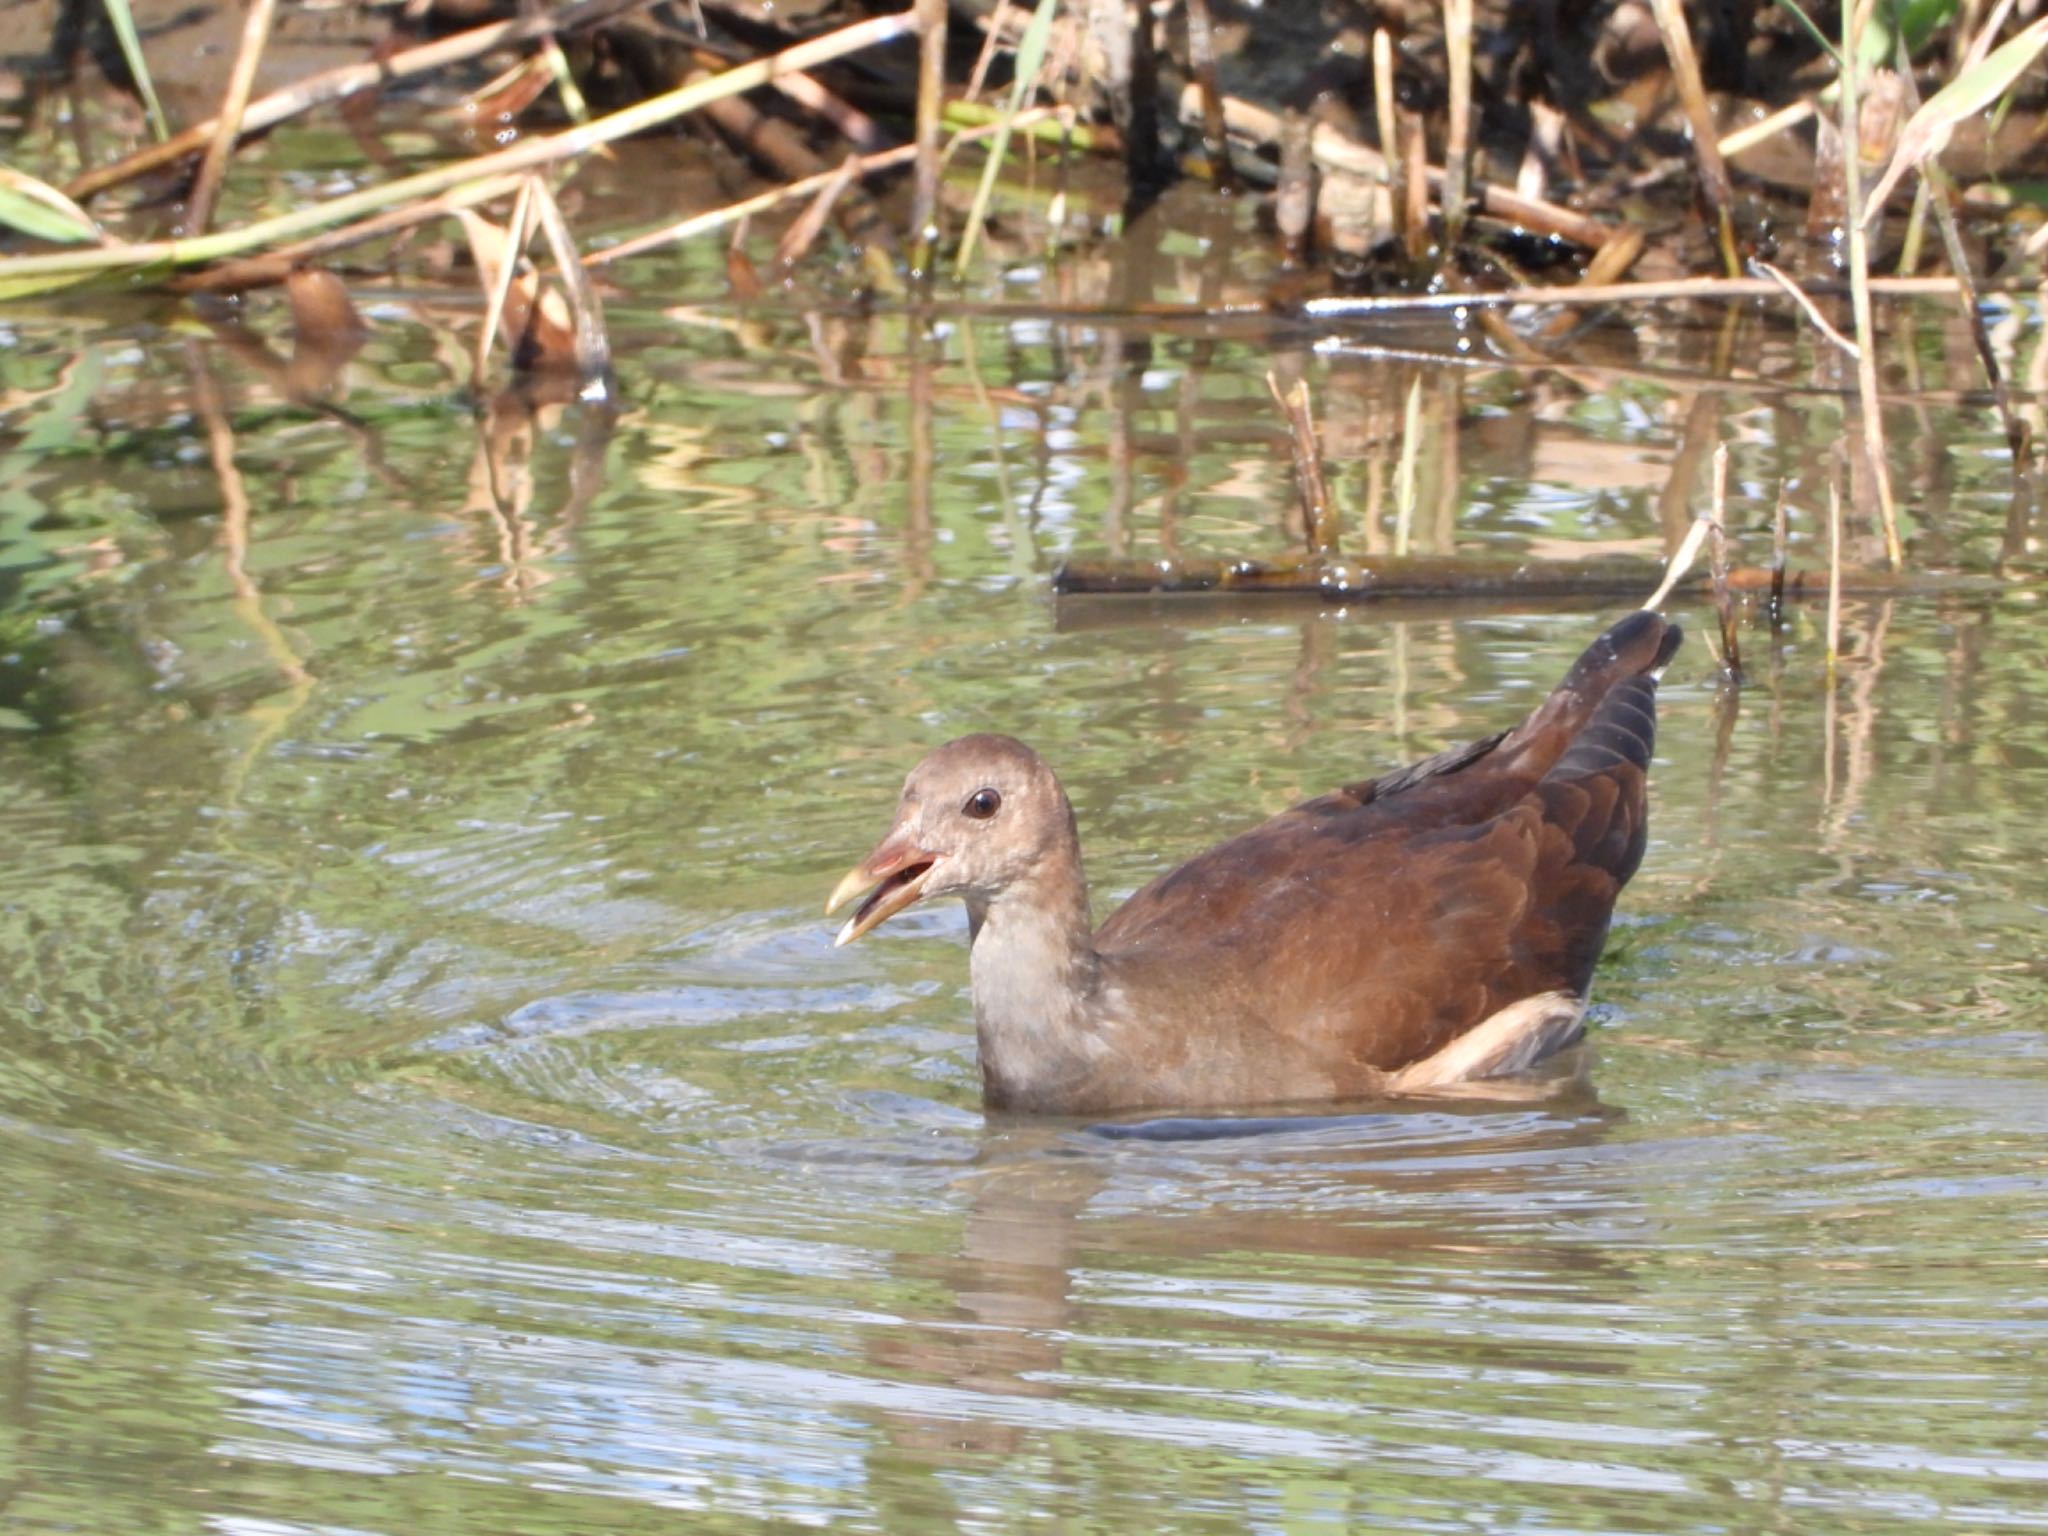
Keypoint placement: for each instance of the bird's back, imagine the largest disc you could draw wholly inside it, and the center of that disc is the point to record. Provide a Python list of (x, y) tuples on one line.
[(1370, 927)]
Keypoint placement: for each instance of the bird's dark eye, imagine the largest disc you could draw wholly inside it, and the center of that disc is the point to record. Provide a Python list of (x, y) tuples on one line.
[(982, 804)]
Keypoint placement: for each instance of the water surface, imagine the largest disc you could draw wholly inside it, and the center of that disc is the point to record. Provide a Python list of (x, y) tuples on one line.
[(430, 1101)]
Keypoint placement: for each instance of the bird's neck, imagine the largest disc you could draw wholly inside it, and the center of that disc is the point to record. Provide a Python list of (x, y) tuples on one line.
[(1037, 984)]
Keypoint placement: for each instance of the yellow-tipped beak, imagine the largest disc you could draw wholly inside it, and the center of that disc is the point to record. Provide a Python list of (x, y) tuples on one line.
[(895, 874)]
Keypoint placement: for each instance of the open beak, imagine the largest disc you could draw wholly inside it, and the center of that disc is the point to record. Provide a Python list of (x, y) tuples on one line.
[(892, 877)]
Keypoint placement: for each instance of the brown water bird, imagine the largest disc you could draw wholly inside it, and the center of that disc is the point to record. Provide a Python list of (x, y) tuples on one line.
[(1430, 927)]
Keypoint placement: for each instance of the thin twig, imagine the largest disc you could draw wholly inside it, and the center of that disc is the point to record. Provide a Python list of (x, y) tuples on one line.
[(1810, 309)]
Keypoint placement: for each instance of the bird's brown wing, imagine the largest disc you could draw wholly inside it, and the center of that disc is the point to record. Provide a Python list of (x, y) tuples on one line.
[(1387, 918)]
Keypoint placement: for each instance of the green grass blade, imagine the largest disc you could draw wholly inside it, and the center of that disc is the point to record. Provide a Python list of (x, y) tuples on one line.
[(39, 209), (1030, 59), (1927, 131), (1812, 30), (131, 50)]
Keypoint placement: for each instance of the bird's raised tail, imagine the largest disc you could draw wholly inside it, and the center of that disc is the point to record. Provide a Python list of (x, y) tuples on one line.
[(1604, 711)]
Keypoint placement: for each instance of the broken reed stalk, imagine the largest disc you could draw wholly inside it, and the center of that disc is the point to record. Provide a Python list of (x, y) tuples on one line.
[(931, 91), (1318, 516), (234, 103), (1854, 15), (337, 84), (29, 273), (593, 347), (1294, 194), (1706, 145), (517, 231), (1458, 136)]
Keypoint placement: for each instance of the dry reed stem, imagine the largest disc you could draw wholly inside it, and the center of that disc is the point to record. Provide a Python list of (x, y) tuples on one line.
[(1318, 517), (1681, 560), (805, 228), (1404, 470), (845, 119), (593, 347), (991, 42), (1781, 121), (1934, 188), (1706, 144), (1781, 539), (1853, 16), (1383, 112), (498, 284), (275, 266), (337, 84), (530, 155), (234, 103), (931, 89), (1717, 569), (1715, 288), (1202, 62), (1834, 570), (1458, 136)]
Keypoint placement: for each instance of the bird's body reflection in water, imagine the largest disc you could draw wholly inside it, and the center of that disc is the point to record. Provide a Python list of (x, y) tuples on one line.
[(1146, 1274)]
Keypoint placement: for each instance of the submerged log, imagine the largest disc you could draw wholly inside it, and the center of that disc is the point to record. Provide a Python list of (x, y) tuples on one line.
[(1362, 578)]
